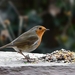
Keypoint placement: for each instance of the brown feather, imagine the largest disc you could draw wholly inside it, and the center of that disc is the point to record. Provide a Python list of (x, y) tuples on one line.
[(25, 42)]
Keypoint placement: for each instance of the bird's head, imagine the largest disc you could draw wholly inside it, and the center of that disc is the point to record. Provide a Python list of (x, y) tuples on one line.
[(39, 30)]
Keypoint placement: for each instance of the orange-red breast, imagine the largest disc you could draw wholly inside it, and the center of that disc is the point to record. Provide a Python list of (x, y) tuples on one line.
[(28, 41)]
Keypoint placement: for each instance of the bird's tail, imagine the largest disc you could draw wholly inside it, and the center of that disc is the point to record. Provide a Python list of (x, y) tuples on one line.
[(6, 46)]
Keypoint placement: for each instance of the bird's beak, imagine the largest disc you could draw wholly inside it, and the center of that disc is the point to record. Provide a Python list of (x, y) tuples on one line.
[(47, 29)]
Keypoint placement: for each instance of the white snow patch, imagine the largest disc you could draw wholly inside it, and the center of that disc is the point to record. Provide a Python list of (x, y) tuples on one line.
[(14, 59)]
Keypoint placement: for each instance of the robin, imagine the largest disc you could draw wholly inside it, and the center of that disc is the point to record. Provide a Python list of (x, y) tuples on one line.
[(28, 41)]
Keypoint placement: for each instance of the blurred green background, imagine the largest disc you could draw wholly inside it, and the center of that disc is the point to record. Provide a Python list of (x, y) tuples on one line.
[(18, 16)]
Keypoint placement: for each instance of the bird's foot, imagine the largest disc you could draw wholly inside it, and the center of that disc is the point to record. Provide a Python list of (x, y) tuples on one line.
[(28, 59)]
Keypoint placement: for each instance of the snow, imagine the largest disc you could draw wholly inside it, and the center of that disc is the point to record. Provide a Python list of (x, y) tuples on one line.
[(14, 59), (12, 63)]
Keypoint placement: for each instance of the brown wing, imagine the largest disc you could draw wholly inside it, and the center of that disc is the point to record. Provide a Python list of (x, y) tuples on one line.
[(27, 41)]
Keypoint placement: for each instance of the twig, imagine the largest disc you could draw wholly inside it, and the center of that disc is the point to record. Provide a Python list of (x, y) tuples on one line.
[(20, 25), (14, 8), (20, 18)]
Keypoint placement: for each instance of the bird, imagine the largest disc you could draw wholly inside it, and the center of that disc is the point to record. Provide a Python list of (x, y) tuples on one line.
[(28, 41)]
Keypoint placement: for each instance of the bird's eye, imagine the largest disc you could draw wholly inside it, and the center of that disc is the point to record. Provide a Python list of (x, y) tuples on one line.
[(40, 28)]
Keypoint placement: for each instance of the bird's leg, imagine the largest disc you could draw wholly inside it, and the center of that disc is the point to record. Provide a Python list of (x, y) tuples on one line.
[(22, 54), (19, 51), (26, 57)]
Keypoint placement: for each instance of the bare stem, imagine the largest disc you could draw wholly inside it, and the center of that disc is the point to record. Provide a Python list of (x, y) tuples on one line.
[(14, 8), (20, 25), (20, 18)]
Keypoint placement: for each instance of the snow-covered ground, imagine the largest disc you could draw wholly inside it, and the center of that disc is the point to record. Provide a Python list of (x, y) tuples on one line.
[(14, 59), (11, 63)]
